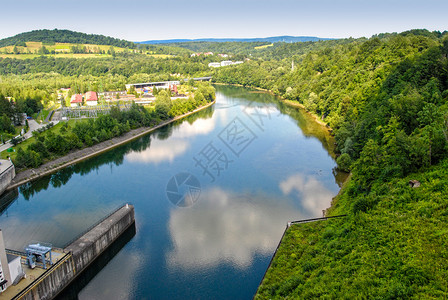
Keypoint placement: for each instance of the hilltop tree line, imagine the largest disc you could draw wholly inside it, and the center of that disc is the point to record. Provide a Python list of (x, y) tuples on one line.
[(50, 37)]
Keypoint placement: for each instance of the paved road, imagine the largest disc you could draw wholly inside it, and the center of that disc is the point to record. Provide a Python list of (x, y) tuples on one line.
[(33, 126)]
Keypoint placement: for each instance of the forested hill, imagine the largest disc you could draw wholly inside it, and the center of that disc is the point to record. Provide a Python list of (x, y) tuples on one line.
[(386, 99), (363, 89), (64, 36)]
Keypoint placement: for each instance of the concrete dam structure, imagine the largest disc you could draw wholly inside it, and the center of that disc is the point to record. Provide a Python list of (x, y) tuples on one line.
[(78, 255), (7, 174)]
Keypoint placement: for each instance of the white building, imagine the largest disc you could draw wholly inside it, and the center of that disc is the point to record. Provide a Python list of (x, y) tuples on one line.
[(214, 65), (10, 267), (226, 63)]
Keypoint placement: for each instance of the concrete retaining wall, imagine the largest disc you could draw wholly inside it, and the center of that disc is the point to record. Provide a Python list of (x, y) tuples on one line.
[(6, 176), (80, 254), (94, 242)]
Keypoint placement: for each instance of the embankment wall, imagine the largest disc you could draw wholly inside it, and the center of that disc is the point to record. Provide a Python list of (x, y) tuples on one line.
[(79, 254), (6, 177)]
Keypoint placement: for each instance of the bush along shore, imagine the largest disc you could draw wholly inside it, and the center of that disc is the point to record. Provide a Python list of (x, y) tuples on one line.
[(51, 150)]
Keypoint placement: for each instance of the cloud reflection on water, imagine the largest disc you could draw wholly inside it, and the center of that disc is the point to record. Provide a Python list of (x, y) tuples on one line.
[(312, 195), (199, 127), (160, 151), (224, 228)]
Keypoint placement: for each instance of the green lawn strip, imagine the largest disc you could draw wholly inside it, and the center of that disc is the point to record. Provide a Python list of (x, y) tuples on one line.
[(55, 129)]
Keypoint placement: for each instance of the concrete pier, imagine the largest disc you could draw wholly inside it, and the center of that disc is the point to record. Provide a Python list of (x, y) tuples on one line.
[(78, 255), (7, 174)]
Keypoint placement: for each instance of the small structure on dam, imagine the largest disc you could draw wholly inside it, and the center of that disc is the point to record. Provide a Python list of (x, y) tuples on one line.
[(56, 272), (7, 174), (38, 253)]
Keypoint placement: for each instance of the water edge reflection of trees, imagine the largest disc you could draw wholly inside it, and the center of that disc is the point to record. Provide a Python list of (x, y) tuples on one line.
[(113, 157)]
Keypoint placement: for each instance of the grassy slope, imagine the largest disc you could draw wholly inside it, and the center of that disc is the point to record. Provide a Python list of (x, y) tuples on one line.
[(397, 249)]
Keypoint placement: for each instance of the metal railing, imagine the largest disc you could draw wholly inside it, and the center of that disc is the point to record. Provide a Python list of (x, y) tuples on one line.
[(316, 219), (15, 252)]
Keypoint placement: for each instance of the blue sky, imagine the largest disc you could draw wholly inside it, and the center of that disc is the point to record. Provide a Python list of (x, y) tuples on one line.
[(139, 20)]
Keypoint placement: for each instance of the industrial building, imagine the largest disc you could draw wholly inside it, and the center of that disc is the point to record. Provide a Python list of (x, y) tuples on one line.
[(214, 65), (11, 271), (76, 100), (91, 98), (224, 63)]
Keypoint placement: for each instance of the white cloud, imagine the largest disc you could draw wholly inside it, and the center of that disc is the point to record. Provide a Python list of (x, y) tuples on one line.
[(313, 196)]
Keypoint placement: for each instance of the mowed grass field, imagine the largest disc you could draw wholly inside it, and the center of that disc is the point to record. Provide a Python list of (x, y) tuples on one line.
[(263, 47), (62, 55), (63, 50), (59, 47)]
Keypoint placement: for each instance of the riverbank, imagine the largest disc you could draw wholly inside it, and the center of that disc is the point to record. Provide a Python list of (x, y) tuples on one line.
[(86, 153), (286, 101)]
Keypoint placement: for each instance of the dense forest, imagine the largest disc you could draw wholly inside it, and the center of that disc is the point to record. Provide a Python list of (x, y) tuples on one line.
[(387, 93), (220, 47), (126, 64)]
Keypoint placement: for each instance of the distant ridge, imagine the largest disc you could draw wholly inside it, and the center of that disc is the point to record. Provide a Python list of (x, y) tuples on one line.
[(274, 39)]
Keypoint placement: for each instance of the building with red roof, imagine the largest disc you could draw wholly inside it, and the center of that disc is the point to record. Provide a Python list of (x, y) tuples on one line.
[(76, 100), (91, 98)]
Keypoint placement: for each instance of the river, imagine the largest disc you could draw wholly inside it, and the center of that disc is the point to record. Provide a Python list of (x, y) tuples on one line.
[(212, 196)]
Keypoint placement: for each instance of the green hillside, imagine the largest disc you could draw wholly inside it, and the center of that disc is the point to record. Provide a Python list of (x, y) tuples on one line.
[(386, 99)]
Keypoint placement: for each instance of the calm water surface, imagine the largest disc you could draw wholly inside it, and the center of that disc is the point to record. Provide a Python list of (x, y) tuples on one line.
[(259, 164)]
